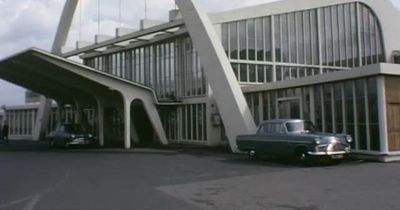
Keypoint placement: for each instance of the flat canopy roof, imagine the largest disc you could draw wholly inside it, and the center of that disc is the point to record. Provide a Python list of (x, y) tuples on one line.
[(62, 79)]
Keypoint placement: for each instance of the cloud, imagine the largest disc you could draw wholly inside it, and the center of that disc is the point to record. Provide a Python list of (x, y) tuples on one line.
[(11, 94), (33, 23), (396, 3)]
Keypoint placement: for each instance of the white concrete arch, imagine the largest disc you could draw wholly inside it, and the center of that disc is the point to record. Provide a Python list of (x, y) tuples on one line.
[(64, 75)]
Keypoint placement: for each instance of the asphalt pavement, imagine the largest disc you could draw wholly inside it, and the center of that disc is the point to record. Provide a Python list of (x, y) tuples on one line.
[(33, 177)]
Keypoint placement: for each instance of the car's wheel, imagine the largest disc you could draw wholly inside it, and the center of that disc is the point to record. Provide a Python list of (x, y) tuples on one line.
[(301, 156), (66, 145), (51, 143), (335, 161), (252, 154)]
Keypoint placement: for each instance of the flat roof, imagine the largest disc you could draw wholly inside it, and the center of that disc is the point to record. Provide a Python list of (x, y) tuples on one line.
[(360, 72)]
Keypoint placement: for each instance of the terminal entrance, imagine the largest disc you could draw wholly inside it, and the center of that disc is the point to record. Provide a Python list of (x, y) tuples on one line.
[(289, 109), (142, 123)]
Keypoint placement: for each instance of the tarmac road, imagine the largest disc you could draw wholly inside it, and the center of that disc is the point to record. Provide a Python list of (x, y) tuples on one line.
[(33, 177)]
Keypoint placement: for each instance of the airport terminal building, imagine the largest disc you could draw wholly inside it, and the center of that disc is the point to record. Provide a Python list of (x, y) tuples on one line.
[(205, 78)]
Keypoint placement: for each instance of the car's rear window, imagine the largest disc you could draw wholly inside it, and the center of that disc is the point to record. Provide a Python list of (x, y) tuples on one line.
[(73, 128)]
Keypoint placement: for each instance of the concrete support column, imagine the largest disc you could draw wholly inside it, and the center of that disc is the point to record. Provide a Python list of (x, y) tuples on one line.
[(64, 26), (134, 132), (100, 123), (58, 114), (59, 42), (228, 95), (127, 123), (382, 110), (78, 113), (42, 118), (155, 120)]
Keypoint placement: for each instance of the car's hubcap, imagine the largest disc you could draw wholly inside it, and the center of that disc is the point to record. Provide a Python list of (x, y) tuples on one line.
[(302, 156)]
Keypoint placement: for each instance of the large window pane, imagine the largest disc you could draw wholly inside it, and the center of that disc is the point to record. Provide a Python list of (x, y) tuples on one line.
[(361, 115), (285, 38), (307, 30), (268, 38), (259, 39), (277, 36), (251, 39), (243, 40), (349, 99), (225, 37), (338, 108), (373, 114), (318, 107), (292, 38), (260, 73), (314, 37), (243, 73), (252, 73), (233, 40), (328, 108), (300, 37)]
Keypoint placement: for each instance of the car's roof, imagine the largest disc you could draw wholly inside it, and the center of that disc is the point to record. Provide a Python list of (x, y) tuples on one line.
[(282, 121)]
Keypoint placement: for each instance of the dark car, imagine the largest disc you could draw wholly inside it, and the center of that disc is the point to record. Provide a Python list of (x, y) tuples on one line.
[(294, 138), (68, 134)]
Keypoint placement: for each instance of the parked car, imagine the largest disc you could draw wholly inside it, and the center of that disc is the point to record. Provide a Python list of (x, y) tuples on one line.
[(68, 134), (294, 138)]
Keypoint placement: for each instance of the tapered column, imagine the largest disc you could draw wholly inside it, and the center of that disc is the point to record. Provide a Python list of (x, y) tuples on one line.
[(78, 113), (134, 133), (155, 120), (228, 95), (100, 123), (64, 26), (59, 41), (58, 112), (42, 118), (127, 124)]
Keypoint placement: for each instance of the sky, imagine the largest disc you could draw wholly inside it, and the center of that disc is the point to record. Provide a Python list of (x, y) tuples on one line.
[(33, 23)]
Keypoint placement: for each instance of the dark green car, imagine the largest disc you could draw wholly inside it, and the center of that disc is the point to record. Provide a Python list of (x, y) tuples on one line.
[(68, 134), (294, 138)]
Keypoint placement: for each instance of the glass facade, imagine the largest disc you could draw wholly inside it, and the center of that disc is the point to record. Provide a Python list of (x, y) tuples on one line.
[(340, 107), (172, 68), (22, 121), (306, 43), (186, 123), (264, 50)]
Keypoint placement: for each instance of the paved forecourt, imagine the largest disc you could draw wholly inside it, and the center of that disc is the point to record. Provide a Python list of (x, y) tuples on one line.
[(33, 177)]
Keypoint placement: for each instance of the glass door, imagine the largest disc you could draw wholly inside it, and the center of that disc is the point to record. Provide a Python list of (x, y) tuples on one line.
[(289, 109)]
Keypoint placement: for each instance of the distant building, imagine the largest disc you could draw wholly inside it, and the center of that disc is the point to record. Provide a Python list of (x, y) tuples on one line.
[(203, 79), (31, 97)]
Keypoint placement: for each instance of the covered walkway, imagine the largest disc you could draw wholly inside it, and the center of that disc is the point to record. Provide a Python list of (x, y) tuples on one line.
[(68, 82)]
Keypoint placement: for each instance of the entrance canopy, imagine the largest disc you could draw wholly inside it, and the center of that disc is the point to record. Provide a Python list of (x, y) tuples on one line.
[(60, 78), (67, 81)]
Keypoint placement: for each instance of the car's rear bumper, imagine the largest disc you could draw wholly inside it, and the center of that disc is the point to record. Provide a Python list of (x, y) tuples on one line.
[(81, 142)]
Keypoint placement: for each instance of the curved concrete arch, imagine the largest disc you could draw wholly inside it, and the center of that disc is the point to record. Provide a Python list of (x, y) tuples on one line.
[(75, 81), (153, 117)]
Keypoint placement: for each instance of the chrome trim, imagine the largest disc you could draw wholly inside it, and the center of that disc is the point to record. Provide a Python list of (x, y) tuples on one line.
[(329, 153)]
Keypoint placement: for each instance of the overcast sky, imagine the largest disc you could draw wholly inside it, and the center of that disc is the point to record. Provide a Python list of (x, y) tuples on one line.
[(32, 23)]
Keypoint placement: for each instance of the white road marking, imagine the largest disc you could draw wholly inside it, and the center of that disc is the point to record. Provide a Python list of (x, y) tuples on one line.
[(15, 202), (32, 203), (34, 199)]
